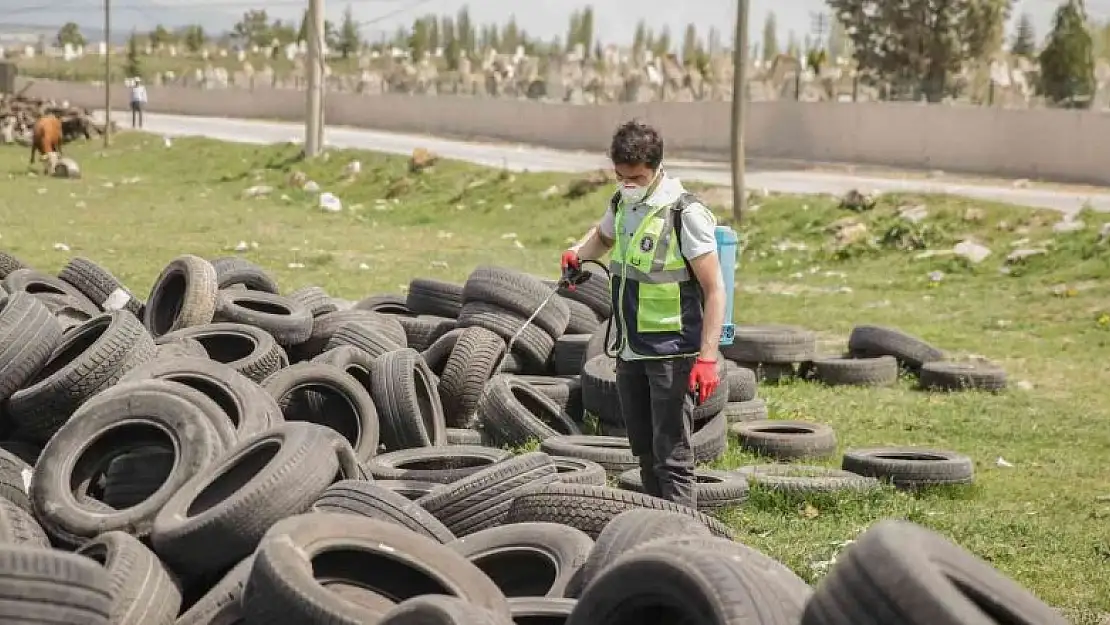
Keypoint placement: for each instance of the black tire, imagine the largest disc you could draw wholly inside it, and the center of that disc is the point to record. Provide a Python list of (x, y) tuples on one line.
[(355, 362), (423, 330), (704, 587), (286, 320), (962, 376), (717, 400), (26, 451), (517, 293), (590, 508), (221, 605), (19, 527), (40, 284), (50, 586), (769, 372), (565, 391), (714, 490), (569, 355), (373, 501), (513, 413), (185, 348), (583, 320), (541, 610), (482, 500), (234, 271), (527, 559), (88, 360), (911, 467), (133, 476), (249, 350), (324, 326), (910, 351), (143, 592), (28, 336), (407, 488), (471, 364), (437, 354), (405, 392), (15, 478), (99, 285), (744, 411), (9, 264), (876, 371), (599, 390), (611, 452), (786, 440), (130, 416), (183, 296), (382, 558), (901, 572), (628, 530), (534, 345), (218, 517), (463, 436), (384, 303), (438, 610), (742, 383), (432, 297), (710, 439), (795, 479), (579, 471), (773, 344), (442, 465), (368, 338), (327, 396), (250, 409), (315, 299)]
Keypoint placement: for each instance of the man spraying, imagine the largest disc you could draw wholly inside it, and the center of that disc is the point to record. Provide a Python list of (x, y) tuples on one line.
[(138, 101), (668, 307)]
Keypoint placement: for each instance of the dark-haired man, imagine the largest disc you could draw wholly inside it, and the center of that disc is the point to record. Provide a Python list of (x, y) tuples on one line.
[(668, 307)]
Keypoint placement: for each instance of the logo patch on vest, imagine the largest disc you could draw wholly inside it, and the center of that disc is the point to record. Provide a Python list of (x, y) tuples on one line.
[(646, 244)]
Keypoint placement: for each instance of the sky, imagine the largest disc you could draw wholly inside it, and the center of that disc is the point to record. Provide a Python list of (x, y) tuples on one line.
[(615, 19)]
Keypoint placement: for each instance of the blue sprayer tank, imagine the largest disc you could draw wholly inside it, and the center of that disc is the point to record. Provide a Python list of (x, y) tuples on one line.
[(728, 254)]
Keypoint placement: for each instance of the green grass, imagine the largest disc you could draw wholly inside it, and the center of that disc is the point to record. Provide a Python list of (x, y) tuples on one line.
[(1043, 521)]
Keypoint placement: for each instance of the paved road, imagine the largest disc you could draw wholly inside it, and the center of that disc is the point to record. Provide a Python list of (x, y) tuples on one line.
[(520, 157)]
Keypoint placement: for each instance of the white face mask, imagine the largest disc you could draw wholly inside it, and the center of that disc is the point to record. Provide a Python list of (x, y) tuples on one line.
[(632, 193)]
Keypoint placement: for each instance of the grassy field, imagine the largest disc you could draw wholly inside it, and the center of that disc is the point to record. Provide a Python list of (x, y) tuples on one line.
[(1043, 521)]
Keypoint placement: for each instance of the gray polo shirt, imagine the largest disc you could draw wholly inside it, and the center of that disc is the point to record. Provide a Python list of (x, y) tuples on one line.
[(698, 225)]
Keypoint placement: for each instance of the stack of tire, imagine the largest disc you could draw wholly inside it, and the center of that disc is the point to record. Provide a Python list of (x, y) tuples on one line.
[(222, 453)]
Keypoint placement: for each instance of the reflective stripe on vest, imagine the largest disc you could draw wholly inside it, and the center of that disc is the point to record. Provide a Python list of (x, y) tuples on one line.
[(655, 298)]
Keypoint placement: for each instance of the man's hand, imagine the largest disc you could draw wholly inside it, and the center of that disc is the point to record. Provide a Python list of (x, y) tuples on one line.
[(570, 265), (704, 379)]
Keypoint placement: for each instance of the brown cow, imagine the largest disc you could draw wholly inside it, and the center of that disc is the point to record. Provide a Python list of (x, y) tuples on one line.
[(47, 140)]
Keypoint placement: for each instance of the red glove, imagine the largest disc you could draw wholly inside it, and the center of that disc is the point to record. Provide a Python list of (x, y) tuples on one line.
[(570, 261), (704, 379)]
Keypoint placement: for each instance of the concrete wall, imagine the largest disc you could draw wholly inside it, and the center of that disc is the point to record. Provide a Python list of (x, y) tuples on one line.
[(1045, 144)]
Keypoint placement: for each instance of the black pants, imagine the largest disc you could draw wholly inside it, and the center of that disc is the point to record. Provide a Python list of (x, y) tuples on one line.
[(659, 417), (136, 113)]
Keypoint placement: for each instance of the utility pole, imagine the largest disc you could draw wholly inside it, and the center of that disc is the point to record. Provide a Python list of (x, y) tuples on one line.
[(107, 72), (740, 52), (313, 130)]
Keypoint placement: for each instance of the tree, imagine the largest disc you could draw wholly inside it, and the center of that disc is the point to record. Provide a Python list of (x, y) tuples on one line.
[(770, 37), (434, 38), (574, 30), (838, 39), (451, 49), (465, 31), (133, 66), (1025, 40), (510, 36), (640, 39), (662, 44), (690, 44), (253, 29), (891, 42), (586, 32), (70, 33), (350, 40), (160, 37), (418, 40), (194, 38), (1067, 60)]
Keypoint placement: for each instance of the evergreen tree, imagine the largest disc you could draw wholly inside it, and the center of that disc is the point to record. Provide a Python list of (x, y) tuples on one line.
[(770, 37), (574, 30), (450, 41), (159, 37), (70, 33), (1025, 41), (690, 45), (133, 65), (464, 31), (418, 40), (510, 36), (640, 39), (662, 44), (350, 40), (1067, 60), (586, 30), (194, 38)]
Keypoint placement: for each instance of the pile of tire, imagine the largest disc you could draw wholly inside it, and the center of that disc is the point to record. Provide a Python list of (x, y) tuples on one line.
[(222, 453)]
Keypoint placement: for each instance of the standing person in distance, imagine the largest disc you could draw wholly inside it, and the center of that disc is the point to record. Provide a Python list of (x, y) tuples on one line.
[(668, 307), (138, 100)]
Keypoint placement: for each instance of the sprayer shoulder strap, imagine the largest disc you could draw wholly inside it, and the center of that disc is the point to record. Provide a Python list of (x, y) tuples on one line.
[(681, 204)]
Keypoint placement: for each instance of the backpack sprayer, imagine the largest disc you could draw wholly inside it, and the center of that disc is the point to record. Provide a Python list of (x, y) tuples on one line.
[(727, 240)]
